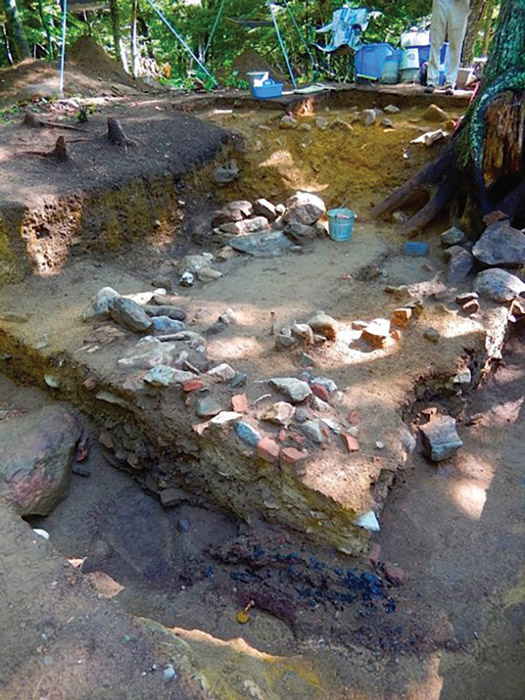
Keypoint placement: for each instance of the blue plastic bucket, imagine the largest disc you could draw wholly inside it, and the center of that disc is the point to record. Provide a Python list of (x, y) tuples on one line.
[(340, 224)]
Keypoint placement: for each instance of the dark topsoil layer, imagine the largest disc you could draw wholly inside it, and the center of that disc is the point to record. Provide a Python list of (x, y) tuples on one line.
[(164, 142)]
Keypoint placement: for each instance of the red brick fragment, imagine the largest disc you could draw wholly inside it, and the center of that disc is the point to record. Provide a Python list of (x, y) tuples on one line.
[(240, 403), (268, 450), (192, 385), (298, 439), (394, 574), (321, 392), (292, 456), (350, 442), (282, 437), (354, 417)]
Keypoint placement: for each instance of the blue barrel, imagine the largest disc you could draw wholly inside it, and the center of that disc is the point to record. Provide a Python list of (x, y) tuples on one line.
[(369, 60), (340, 224)]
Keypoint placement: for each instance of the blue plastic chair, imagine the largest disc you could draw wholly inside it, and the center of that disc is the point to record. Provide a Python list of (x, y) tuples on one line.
[(347, 27)]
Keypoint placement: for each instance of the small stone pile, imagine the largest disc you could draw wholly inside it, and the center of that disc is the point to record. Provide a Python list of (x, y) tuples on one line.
[(299, 218)]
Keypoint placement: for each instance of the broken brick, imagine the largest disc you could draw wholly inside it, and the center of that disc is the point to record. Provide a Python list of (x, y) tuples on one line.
[(240, 403), (268, 450), (396, 335), (401, 317), (298, 439), (471, 307), (321, 392), (351, 443), (354, 417), (192, 385), (394, 574), (377, 332), (292, 456)]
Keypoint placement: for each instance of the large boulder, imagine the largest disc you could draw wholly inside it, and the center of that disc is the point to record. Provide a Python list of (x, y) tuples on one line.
[(498, 285), (501, 244), (36, 453), (304, 208), (129, 314)]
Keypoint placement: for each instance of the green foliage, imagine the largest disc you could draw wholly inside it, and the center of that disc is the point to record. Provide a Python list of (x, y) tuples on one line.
[(194, 19)]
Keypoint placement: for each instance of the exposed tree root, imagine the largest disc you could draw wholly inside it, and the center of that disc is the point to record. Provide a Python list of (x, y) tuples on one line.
[(435, 179)]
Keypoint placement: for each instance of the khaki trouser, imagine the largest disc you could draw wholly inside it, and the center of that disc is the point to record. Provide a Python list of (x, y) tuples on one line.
[(449, 19)]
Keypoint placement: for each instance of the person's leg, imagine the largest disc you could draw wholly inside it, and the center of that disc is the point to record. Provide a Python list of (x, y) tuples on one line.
[(456, 28), (438, 29)]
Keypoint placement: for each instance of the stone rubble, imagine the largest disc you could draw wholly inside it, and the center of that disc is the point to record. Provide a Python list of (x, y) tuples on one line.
[(440, 438)]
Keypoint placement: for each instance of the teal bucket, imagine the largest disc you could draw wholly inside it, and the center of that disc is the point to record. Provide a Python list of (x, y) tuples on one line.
[(340, 224)]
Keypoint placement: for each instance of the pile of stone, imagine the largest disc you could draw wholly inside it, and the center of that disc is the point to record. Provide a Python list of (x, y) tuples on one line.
[(501, 246), (318, 329), (299, 217), (366, 117)]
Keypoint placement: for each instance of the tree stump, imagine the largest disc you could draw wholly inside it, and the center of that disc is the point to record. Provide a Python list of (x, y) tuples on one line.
[(116, 134)]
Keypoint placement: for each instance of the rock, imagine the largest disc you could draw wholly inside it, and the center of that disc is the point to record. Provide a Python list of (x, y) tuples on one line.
[(223, 372), (406, 439), (313, 429), (129, 314), (99, 307), (208, 274), (460, 266), (233, 211), (368, 117), (498, 285), (306, 360), (463, 299), (462, 377), (304, 208), (368, 521), (226, 173), (225, 253), (280, 412), (242, 228), (431, 334), (341, 124), (262, 245), (377, 332), (240, 403), (247, 433), (162, 375), (184, 524), (301, 414), (303, 332), (238, 380), (493, 216), (163, 324), (394, 574), (169, 674), (294, 389), (287, 122), (298, 230), (392, 109), (194, 263), (434, 114), (207, 407), (280, 209), (452, 236), (226, 417), (228, 317), (36, 454), (321, 123), (305, 126), (440, 438), (165, 310), (324, 325), (149, 353), (262, 207), (501, 244), (388, 123), (284, 342)]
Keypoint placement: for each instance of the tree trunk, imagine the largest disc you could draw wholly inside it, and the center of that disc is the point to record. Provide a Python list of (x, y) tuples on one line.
[(487, 26), (115, 27), (133, 40), (486, 156), (15, 31), (45, 25), (475, 20), (7, 47)]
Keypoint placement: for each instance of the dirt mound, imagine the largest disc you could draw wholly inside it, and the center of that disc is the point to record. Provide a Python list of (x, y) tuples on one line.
[(87, 56), (89, 72)]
